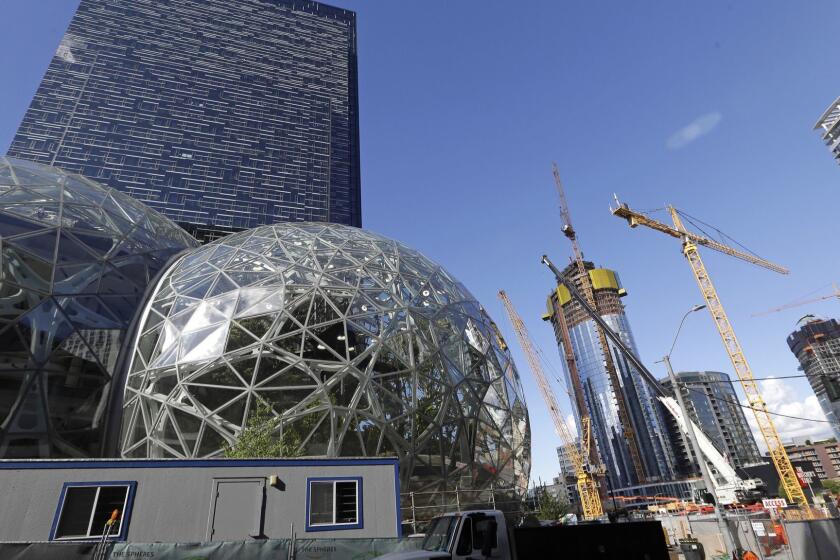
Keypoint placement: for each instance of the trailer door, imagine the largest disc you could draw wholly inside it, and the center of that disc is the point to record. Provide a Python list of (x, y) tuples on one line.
[(237, 509)]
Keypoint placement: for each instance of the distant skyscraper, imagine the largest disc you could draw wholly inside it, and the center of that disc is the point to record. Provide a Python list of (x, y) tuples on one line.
[(829, 124), (646, 414), (221, 114), (817, 347), (712, 403)]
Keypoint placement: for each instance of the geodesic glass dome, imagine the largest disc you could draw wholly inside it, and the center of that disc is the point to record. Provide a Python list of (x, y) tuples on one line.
[(75, 259), (360, 345)]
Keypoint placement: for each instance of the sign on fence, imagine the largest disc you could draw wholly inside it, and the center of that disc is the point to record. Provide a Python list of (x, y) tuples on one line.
[(774, 503)]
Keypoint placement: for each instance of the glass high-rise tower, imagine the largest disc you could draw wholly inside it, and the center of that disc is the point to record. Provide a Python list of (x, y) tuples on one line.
[(713, 404), (221, 114), (600, 398)]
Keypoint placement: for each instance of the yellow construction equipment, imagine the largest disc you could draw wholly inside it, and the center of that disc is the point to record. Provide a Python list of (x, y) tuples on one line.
[(587, 486), (585, 283), (836, 294), (690, 242)]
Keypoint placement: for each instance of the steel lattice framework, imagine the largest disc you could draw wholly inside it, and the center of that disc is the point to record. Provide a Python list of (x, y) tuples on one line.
[(360, 345), (75, 259), (690, 241)]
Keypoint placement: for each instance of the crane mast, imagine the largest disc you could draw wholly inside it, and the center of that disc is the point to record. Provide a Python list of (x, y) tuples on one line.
[(609, 364), (577, 389), (690, 242), (587, 486)]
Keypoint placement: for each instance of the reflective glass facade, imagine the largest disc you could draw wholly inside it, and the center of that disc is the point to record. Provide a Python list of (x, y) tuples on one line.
[(75, 260), (221, 114), (360, 345), (645, 413), (817, 347), (712, 402)]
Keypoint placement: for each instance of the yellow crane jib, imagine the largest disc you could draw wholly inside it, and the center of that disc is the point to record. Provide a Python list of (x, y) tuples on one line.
[(690, 243)]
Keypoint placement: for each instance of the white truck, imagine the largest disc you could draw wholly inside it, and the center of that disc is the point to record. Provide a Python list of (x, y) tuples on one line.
[(486, 534)]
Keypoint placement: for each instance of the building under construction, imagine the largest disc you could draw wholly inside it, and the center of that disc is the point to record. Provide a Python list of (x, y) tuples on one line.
[(817, 347), (634, 399), (829, 127)]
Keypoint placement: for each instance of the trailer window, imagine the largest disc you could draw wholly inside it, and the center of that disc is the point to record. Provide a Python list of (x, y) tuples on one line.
[(333, 504), (84, 510)]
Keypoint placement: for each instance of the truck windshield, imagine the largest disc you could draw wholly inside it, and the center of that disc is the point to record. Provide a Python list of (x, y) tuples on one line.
[(439, 534)]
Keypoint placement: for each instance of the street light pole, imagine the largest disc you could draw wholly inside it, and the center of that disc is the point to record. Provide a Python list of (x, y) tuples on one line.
[(694, 447)]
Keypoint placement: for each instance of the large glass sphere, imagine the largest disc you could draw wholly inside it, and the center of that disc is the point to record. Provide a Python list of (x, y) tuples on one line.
[(75, 260), (360, 346)]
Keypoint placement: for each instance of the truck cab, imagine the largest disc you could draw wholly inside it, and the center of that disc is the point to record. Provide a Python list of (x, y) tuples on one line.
[(474, 535), (486, 535)]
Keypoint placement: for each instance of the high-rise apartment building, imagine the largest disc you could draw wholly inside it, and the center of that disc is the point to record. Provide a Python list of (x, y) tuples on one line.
[(712, 403), (567, 476), (817, 347), (829, 125), (599, 395), (221, 114), (823, 455), (567, 467)]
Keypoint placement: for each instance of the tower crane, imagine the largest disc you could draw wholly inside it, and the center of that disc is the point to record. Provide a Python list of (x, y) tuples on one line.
[(727, 485), (609, 364), (584, 472), (836, 294), (690, 243)]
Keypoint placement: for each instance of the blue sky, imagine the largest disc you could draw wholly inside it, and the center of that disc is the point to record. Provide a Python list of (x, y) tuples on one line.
[(464, 105)]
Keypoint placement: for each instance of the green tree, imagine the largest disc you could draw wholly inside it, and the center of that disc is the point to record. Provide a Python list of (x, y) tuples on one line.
[(549, 508), (258, 440), (832, 485)]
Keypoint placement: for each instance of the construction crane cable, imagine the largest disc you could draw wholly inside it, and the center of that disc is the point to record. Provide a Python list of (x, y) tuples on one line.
[(721, 233), (653, 210), (805, 297), (812, 292), (554, 372), (761, 410), (754, 379)]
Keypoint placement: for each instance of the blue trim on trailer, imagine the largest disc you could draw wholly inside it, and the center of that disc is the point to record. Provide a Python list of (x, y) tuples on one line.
[(398, 511), (359, 503), (189, 463), (125, 518)]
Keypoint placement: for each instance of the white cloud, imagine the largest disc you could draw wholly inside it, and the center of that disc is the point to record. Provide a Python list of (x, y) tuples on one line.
[(700, 126), (570, 422), (779, 399)]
